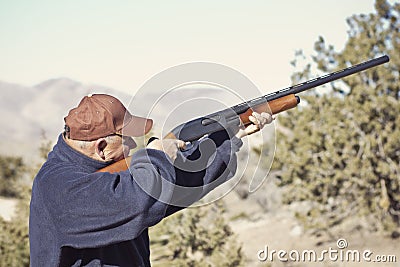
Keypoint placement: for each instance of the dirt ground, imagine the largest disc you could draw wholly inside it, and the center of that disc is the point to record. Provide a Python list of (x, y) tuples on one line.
[(279, 230)]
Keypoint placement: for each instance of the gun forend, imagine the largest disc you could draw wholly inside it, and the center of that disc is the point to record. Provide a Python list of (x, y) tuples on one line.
[(273, 107)]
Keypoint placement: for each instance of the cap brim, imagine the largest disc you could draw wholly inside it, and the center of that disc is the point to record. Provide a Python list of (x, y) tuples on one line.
[(136, 126)]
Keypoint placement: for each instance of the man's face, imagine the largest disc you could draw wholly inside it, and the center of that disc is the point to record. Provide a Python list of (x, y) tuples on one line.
[(118, 147)]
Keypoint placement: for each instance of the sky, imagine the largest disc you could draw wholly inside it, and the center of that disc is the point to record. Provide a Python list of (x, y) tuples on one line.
[(121, 44)]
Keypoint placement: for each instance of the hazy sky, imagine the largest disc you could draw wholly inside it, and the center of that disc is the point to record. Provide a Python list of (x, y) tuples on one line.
[(123, 43)]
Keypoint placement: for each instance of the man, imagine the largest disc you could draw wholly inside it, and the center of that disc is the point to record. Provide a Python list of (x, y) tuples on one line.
[(80, 217)]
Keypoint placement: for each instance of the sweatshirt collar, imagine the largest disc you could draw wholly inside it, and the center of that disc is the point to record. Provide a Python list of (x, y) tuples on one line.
[(66, 153)]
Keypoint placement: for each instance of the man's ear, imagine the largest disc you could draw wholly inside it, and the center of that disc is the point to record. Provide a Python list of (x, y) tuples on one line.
[(100, 145)]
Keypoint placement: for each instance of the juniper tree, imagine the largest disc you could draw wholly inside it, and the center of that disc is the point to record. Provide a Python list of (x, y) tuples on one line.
[(14, 243), (14, 239), (11, 170), (343, 152), (196, 237)]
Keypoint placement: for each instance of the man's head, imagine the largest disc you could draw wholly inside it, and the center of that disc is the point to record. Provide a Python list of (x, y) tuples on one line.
[(102, 128)]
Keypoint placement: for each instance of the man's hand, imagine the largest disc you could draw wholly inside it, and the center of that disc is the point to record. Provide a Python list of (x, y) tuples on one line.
[(172, 146), (258, 122), (169, 146)]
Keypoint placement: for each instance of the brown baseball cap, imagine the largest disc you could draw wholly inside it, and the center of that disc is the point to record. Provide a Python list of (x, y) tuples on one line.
[(100, 115)]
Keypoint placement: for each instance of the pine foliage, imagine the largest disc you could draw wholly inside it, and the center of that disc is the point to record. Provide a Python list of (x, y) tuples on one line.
[(343, 152), (195, 237), (14, 238), (11, 170), (14, 241)]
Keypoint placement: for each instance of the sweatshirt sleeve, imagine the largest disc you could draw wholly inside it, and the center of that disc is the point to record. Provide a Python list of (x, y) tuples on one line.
[(208, 164), (97, 209)]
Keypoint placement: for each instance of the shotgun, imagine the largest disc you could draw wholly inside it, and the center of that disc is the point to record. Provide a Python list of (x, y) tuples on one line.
[(233, 117)]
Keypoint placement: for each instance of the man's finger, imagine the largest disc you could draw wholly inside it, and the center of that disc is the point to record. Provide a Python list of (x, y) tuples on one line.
[(180, 144), (262, 119), (253, 119), (268, 117), (257, 116), (252, 129)]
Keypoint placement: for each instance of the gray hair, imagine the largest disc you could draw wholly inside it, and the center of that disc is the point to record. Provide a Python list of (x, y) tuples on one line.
[(111, 139)]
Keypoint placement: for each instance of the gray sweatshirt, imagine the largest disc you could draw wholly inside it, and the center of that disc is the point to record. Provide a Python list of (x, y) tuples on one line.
[(79, 217)]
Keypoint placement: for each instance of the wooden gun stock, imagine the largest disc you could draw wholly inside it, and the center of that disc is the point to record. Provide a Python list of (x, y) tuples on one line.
[(119, 166), (273, 107)]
